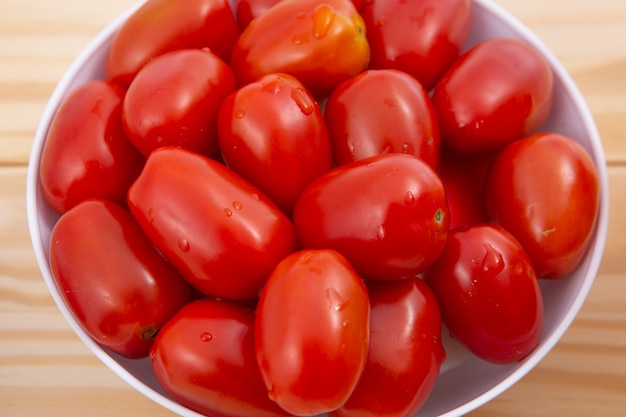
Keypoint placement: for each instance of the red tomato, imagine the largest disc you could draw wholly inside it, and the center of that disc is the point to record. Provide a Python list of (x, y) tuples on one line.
[(320, 42), (405, 351), (161, 26), (488, 293), (219, 231), (117, 285), (419, 37), (272, 133), (544, 189), (312, 331), (498, 91), (464, 180), (381, 111), (386, 214), (248, 10), (205, 358), (175, 99), (86, 153)]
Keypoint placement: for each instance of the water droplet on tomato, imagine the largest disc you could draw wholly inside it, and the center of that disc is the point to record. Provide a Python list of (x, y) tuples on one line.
[(409, 198), (300, 15), (389, 102), (228, 212), (405, 148), (272, 86), (206, 337), (300, 39), (493, 261), (302, 100), (256, 197), (381, 232), (183, 245), (335, 300), (240, 114), (307, 258), (271, 393), (323, 18), (237, 205)]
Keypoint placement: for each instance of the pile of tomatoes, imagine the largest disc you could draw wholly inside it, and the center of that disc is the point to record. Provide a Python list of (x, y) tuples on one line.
[(283, 203)]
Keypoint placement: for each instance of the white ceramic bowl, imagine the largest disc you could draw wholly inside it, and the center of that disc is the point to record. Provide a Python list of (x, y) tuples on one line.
[(466, 382)]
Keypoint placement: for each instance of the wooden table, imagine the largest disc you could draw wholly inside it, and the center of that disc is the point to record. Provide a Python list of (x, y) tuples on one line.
[(45, 370)]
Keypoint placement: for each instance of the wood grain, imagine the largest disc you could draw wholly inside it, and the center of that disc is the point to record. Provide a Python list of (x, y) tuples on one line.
[(45, 370)]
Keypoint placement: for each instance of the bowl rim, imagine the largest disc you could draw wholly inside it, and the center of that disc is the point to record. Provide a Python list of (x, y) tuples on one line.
[(34, 199)]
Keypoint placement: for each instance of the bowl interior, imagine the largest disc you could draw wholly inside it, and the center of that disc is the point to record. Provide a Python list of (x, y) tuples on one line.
[(466, 382)]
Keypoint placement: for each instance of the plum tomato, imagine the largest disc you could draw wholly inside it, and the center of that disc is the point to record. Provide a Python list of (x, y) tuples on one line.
[(174, 101), (312, 331), (497, 92), (405, 351), (221, 233), (419, 37), (272, 133), (544, 189), (204, 357), (381, 111), (489, 293), (86, 153), (387, 214), (320, 42), (160, 26), (464, 180), (119, 288)]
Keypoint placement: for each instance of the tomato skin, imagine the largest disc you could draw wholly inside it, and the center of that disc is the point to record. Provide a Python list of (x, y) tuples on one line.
[(248, 10), (87, 154), (221, 233), (441, 30), (312, 331), (205, 358), (117, 285), (272, 133), (544, 189), (497, 92), (489, 293), (381, 111), (387, 214), (464, 180), (175, 99), (161, 26), (405, 351), (320, 42)]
